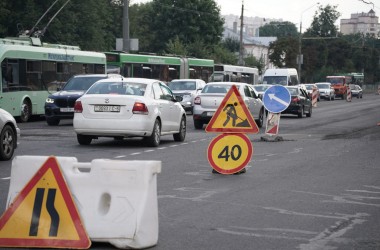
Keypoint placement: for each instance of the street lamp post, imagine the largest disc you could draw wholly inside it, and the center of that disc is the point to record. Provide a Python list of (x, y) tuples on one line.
[(300, 56)]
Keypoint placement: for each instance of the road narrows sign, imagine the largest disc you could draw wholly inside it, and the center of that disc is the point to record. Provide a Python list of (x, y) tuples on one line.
[(232, 116), (229, 153), (44, 214)]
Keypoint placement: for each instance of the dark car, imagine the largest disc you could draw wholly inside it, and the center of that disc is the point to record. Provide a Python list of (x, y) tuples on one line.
[(300, 102), (60, 105)]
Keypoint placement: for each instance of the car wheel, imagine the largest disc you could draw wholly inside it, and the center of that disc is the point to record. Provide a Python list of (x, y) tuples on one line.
[(182, 131), (84, 139), (26, 111), (154, 139), (310, 112), (52, 121), (260, 121), (198, 124), (300, 113), (8, 143), (361, 96)]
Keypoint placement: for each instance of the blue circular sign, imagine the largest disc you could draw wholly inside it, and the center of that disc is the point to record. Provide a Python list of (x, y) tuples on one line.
[(276, 98)]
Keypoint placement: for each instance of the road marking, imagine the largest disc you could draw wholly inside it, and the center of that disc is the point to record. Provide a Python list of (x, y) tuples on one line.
[(6, 178), (137, 153), (120, 156), (149, 150)]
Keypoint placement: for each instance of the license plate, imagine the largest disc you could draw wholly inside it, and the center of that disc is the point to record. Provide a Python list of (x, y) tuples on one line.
[(210, 113), (66, 109), (106, 108)]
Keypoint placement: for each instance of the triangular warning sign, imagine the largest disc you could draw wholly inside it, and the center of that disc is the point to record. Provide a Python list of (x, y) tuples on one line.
[(232, 116), (44, 214)]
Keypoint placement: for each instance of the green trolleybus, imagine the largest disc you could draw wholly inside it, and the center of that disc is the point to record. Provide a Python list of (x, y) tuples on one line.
[(30, 70), (164, 68)]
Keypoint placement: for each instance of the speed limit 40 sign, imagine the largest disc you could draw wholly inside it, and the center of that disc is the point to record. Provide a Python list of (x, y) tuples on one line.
[(229, 153)]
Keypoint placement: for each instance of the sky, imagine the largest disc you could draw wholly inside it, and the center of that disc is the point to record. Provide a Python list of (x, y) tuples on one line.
[(295, 11)]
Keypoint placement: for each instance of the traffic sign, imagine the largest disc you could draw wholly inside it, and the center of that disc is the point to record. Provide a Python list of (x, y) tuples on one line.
[(44, 214), (229, 153), (273, 121), (276, 98), (232, 116)]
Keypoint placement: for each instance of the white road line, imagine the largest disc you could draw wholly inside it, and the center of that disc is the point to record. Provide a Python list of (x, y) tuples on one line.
[(138, 153), (149, 150), (6, 178), (120, 156)]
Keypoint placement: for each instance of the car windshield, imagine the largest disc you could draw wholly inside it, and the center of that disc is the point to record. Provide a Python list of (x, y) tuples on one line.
[(293, 91), (323, 86), (261, 88), (335, 80), (182, 85), (214, 88), (309, 87), (81, 83), (118, 88), (275, 80)]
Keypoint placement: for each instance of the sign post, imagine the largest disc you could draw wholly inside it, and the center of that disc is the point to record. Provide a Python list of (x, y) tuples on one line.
[(276, 99), (231, 151)]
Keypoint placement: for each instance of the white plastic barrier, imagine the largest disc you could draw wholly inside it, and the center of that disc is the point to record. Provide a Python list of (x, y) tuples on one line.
[(116, 199)]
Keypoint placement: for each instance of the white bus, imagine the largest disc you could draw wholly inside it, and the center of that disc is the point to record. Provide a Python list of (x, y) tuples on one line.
[(30, 70), (232, 73)]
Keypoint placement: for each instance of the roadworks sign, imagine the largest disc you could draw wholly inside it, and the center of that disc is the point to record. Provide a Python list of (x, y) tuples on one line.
[(232, 116), (44, 214)]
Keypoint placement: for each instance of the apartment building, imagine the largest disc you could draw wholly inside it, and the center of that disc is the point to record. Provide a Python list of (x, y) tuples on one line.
[(366, 23)]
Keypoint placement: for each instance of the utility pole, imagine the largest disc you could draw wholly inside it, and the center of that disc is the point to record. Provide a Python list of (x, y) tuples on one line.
[(126, 41), (300, 57), (241, 50)]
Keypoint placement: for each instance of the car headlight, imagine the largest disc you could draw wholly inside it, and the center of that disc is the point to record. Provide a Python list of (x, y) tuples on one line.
[(49, 100)]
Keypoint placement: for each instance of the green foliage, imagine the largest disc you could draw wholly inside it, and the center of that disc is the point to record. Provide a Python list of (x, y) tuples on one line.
[(176, 47), (223, 55), (189, 20), (283, 52), (279, 29), (232, 44), (252, 61), (323, 22)]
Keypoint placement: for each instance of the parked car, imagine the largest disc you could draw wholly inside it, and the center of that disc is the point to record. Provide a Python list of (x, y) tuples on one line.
[(9, 135), (260, 89), (212, 95), (129, 107), (300, 102), (60, 105), (357, 91), (188, 89), (309, 89), (326, 91)]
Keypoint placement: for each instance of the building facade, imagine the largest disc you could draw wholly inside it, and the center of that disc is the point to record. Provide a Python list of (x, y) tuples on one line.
[(365, 23)]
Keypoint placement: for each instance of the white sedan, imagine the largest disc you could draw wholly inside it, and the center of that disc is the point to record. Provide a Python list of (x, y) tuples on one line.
[(129, 107), (9, 135), (207, 102)]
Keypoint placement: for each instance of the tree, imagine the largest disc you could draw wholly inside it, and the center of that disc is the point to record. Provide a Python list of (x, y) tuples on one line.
[(232, 44), (252, 61), (323, 22), (279, 29), (191, 21), (283, 52)]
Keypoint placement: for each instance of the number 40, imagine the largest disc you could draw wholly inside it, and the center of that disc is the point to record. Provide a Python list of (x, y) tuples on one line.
[(234, 153)]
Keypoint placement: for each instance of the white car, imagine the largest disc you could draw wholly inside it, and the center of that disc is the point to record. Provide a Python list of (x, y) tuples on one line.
[(9, 135), (261, 88), (212, 95), (129, 107), (188, 89), (326, 90)]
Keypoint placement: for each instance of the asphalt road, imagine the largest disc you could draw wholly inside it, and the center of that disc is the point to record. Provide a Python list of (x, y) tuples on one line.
[(319, 188)]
